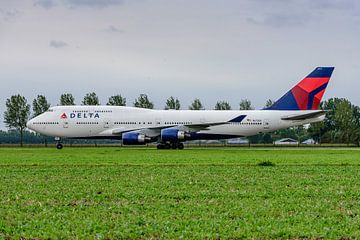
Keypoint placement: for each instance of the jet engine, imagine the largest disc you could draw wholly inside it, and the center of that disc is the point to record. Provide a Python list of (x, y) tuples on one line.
[(134, 138), (173, 135)]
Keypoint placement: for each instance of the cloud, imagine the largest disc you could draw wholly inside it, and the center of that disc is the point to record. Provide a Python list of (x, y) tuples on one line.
[(113, 29), (280, 20), (93, 3), (47, 4), (8, 15), (334, 4), (278, 13), (285, 20), (292, 13), (58, 44)]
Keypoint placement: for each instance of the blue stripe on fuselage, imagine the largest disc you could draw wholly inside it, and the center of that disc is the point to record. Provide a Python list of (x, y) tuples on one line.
[(238, 119)]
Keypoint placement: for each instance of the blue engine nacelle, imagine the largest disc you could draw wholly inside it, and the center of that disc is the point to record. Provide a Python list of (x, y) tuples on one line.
[(134, 138), (172, 135)]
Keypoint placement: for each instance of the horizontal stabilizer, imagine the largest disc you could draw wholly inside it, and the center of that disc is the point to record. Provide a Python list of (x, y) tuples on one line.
[(305, 116)]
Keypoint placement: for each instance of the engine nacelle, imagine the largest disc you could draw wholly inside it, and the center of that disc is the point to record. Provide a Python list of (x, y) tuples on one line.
[(134, 138), (172, 135)]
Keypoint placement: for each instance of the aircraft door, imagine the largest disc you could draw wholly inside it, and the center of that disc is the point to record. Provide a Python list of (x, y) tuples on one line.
[(106, 123), (65, 123), (266, 124), (157, 121)]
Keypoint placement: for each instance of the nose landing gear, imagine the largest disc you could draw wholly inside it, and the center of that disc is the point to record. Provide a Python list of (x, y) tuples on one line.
[(58, 143)]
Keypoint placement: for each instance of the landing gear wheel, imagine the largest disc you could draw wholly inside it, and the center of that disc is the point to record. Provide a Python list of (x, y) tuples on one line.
[(167, 146), (59, 146), (180, 146)]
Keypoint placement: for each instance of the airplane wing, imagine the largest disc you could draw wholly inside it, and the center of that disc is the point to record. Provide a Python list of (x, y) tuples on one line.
[(205, 126), (194, 127), (151, 132), (156, 131), (304, 116)]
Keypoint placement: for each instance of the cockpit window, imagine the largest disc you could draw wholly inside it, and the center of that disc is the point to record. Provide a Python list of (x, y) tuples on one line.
[(50, 110)]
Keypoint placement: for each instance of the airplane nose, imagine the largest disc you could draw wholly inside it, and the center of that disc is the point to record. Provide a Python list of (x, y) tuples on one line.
[(29, 124)]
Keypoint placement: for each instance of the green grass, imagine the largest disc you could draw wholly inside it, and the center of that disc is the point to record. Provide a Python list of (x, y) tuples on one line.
[(101, 193)]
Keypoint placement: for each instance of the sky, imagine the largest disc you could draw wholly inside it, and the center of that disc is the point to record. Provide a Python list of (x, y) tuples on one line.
[(207, 49)]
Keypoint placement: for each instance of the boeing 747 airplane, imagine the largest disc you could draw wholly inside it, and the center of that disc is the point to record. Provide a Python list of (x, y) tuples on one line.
[(170, 128)]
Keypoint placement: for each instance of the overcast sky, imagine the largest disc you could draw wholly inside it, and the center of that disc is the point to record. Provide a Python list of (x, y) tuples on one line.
[(210, 49)]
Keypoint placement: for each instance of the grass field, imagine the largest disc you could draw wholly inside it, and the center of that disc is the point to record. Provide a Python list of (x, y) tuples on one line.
[(112, 193)]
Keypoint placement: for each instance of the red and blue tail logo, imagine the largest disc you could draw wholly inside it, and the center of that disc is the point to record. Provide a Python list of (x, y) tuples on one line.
[(307, 94)]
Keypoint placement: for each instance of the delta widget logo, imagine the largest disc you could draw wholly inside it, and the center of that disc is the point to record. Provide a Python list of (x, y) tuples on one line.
[(80, 115)]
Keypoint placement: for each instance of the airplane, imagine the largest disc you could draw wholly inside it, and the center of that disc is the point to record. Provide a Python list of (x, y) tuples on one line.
[(170, 128)]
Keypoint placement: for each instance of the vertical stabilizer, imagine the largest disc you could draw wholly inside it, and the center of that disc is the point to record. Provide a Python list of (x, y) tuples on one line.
[(307, 94)]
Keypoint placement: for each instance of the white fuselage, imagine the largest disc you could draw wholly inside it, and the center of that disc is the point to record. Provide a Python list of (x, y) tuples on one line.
[(112, 121)]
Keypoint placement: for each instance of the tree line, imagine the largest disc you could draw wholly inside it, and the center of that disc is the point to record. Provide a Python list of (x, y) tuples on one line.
[(341, 125)]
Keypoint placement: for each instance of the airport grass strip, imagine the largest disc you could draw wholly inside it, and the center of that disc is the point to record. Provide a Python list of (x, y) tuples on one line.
[(116, 193)]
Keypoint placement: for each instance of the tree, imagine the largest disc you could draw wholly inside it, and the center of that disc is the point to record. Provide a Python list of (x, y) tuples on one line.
[(172, 103), (269, 103), (67, 99), (316, 131), (222, 105), (17, 114), (143, 102), (91, 99), (301, 133), (356, 133), (356, 115), (267, 138), (345, 120), (342, 121), (330, 107), (245, 104), (117, 100), (196, 105), (40, 105)]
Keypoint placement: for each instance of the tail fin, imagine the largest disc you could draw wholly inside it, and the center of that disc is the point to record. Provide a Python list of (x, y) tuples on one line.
[(307, 94)]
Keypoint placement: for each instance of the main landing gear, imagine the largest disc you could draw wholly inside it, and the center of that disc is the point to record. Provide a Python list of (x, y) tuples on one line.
[(175, 145), (58, 143)]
